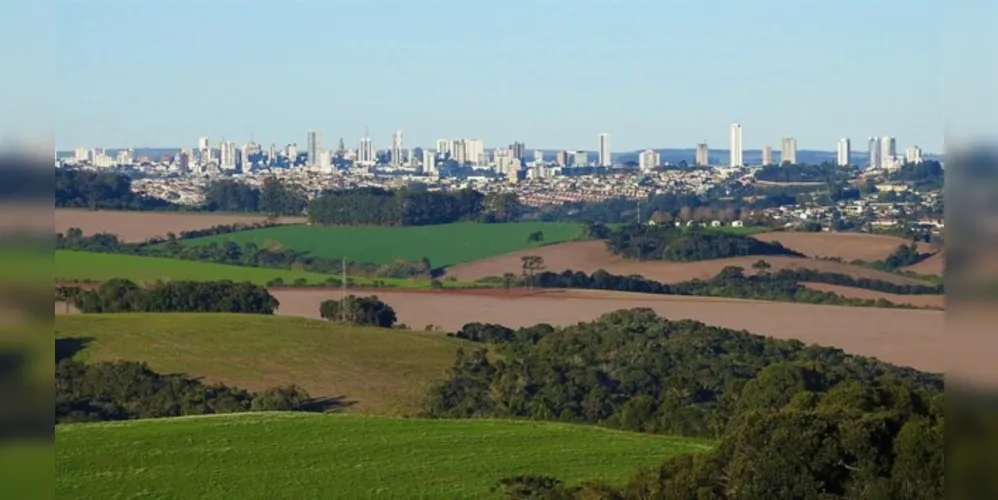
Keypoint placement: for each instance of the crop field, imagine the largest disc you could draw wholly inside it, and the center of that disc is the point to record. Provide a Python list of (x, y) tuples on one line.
[(846, 246), (73, 265), (140, 226), (590, 256), (289, 455), (370, 370), (444, 245), (907, 337)]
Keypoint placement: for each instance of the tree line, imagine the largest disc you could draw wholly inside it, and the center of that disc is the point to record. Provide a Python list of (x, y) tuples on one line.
[(793, 421), (247, 254), (273, 198), (411, 207), (125, 390), (653, 242), (825, 172), (123, 296)]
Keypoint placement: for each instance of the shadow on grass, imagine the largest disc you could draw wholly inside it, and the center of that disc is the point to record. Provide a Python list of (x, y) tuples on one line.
[(328, 405), (66, 348)]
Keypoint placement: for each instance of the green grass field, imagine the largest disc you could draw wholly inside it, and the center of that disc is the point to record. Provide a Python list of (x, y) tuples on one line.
[(72, 265), (444, 245), (383, 371), (287, 455)]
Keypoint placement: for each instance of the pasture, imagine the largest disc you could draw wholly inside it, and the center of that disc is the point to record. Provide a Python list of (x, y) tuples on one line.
[(136, 227), (296, 455), (443, 245), (370, 370)]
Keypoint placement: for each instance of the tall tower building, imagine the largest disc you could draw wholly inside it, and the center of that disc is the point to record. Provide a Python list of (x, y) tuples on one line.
[(313, 144), (561, 158), (474, 150), (842, 152), (767, 154), (538, 156), (444, 147), (519, 150), (873, 150), (429, 162), (736, 145), (703, 155), (913, 155), (788, 152), (365, 151), (397, 148), (888, 151), (604, 150)]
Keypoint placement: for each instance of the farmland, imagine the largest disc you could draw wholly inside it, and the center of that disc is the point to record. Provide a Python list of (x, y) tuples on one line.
[(901, 336), (286, 455), (845, 246), (380, 371), (590, 256), (90, 266), (444, 245), (140, 226)]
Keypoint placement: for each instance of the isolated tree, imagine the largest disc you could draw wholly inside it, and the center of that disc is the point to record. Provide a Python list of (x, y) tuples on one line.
[(353, 310), (507, 280), (535, 237), (531, 265), (761, 266)]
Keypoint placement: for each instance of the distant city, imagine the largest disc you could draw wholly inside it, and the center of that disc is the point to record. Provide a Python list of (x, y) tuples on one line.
[(225, 156)]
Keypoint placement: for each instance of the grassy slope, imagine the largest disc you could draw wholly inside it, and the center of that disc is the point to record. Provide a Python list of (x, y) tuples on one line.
[(383, 371), (77, 266), (444, 245), (283, 455)]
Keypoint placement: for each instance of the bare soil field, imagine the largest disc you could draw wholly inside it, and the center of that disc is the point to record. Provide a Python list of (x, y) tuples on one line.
[(934, 301), (933, 265), (140, 226), (590, 256), (846, 246), (900, 336)]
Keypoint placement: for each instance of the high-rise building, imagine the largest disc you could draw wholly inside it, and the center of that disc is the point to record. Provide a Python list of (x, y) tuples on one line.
[(429, 162), (81, 154), (788, 151), (313, 145), (519, 150), (272, 153), (648, 160), (604, 150), (396, 153), (888, 151), (767, 154), (444, 147), (561, 158), (184, 161), (365, 152), (227, 155), (203, 143), (842, 152), (505, 161), (469, 151), (913, 155), (703, 155), (580, 158), (538, 156), (873, 150), (736, 145)]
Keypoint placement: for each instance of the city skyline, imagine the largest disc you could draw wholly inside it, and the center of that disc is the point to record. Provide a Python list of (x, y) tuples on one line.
[(263, 86)]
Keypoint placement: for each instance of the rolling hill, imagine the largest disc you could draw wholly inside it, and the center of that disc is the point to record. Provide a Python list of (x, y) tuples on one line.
[(373, 370), (288, 455)]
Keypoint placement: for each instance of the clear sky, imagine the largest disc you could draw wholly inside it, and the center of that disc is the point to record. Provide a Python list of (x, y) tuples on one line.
[(552, 73)]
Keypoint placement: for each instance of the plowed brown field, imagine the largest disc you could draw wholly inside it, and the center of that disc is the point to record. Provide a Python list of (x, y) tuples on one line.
[(140, 226), (589, 256), (901, 336), (933, 265), (846, 246), (936, 301)]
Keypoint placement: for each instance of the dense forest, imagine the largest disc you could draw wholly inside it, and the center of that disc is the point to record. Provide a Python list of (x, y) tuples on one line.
[(647, 242), (358, 311), (122, 296), (101, 191), (794, 421), (274, 198), (405, 207), (124, 390), (926, 175)]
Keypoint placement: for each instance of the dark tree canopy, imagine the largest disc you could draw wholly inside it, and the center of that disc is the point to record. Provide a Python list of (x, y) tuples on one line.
[(120, 295), (104, 190), (353, 310), (646, 242)]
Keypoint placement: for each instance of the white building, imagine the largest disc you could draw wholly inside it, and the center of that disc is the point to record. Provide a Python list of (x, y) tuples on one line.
[(873, 150), (580, 158), (429, 162), (227, 155), (703, 155), (788, 151), (913, 155), (396, 152), (736, 145), (444, 147), (842, 152), (313, 144), (538, 156), (888, 152), (604, 150), (365, 152), (648, 160), (767, 154)]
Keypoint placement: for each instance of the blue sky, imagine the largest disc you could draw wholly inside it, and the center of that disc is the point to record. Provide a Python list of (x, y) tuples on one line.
[(552, 73)]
